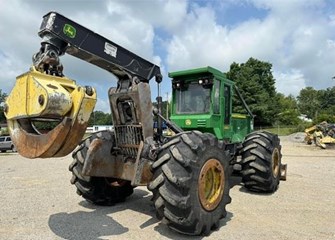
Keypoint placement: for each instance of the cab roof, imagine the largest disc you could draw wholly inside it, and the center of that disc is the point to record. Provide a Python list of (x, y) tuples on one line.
[(194, 71)]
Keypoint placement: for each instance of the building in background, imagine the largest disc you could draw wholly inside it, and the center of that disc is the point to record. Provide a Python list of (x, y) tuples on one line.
[(97, 128)]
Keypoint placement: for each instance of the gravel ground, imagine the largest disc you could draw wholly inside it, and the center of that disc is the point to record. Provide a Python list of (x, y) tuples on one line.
[(38, 202)]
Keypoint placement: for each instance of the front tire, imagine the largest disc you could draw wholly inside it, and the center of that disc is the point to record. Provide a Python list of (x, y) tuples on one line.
[(190, 184), (261, 162), (97, 190)]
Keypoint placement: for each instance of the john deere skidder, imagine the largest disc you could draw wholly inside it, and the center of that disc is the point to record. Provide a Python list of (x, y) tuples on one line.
[(188, 173)]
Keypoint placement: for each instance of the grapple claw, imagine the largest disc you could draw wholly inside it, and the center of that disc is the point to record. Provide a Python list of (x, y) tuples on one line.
[(32, 145), (37, 96)]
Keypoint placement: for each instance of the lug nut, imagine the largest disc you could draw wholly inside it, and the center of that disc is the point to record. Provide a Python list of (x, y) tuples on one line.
[(41, 99)]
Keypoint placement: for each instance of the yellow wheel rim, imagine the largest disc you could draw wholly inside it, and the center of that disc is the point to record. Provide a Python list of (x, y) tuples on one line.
[(275, 162), (211, 184)]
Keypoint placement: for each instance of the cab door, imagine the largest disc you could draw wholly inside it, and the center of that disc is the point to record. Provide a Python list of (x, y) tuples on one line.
[(227, 104)]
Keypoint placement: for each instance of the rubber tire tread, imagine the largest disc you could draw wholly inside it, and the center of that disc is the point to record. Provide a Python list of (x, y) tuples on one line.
[(96, 190), (175, 182), (257, 172)]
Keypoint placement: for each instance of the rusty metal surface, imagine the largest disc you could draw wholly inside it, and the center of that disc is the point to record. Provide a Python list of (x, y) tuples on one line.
[(147, 174), (31, 145), (44, 97), (138, 166), (102, 162), (143, 171), (79, 125), (275, 162), (211, 184), (145, 105), (128, 139), (138, 124), (73, 137), (283, 172)]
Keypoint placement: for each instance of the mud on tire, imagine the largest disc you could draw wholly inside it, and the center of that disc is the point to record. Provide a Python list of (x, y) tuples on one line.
[(182, 193), (261, 161), (97, 190)]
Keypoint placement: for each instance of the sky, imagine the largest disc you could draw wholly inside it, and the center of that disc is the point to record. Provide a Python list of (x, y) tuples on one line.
[(296, 36)]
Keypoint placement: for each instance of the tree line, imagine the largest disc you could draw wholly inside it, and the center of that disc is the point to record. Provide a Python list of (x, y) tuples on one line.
[(257, 85)]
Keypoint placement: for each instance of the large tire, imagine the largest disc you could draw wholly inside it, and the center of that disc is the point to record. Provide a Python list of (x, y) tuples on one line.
[(97, 190), (190, 184), (261, 162)]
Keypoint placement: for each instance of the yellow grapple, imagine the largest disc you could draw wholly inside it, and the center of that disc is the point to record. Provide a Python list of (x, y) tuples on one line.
[(37, 96)]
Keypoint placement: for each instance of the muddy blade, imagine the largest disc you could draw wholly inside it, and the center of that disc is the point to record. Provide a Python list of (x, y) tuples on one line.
[(32, 145), (74, 137), (38, 98), (58, 142)]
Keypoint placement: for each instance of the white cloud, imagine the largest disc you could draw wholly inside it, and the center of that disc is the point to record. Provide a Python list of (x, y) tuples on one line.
[(168, 14), (290, 82), (204, 42), (295, 36)]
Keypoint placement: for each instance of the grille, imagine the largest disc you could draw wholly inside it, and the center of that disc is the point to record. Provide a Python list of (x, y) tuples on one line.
[(128, 139), (201, 123)]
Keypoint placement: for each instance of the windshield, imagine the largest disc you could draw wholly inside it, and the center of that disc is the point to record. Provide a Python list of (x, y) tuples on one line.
[(194, 99)]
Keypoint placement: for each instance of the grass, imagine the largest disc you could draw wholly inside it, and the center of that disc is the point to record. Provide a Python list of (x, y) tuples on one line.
[(281, 131)]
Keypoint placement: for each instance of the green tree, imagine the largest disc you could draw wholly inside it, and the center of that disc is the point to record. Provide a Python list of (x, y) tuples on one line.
[(317, 104), (324, 117), (100, 118), (257, 86), (288, 110), (308, 102), (327, 101), (2, 100)]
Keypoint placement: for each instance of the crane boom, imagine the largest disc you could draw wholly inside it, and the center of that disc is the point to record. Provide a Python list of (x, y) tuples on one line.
[(46, 95), (67, 36)]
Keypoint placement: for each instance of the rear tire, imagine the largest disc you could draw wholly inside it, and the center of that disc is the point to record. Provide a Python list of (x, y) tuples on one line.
[(97, 190), (261, 162), (190, 184)]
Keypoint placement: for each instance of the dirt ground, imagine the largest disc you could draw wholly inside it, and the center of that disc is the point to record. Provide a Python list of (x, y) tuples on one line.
[(38, 202)]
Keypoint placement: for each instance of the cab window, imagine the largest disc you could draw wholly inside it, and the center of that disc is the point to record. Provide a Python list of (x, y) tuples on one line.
[(193, 100)]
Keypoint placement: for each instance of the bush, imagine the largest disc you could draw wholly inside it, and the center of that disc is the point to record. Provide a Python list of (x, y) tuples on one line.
[(4, 132), (324, 117)]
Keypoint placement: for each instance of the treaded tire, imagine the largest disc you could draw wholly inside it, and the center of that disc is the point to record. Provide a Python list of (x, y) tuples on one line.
[(175, 185), (261, 161), (97, 190)]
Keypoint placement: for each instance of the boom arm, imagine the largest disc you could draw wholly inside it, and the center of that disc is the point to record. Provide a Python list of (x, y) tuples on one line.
[(44, 94), (60, 34)]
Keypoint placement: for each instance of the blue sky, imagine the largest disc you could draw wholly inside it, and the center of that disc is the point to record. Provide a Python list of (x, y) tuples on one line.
[(296, 36)]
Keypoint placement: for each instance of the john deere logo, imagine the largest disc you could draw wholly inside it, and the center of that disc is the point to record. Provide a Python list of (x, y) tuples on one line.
[(69, 31), (188, 122)]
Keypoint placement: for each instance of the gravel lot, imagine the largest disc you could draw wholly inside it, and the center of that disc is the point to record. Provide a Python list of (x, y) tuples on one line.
[(38, 202)]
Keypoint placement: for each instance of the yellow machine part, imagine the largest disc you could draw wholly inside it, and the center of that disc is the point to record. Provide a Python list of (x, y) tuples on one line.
[(328, 140), (40, 96)]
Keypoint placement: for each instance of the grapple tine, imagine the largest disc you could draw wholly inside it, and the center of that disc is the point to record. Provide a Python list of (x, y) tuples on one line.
[(46, 145), (76, 134), (41, 97)]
